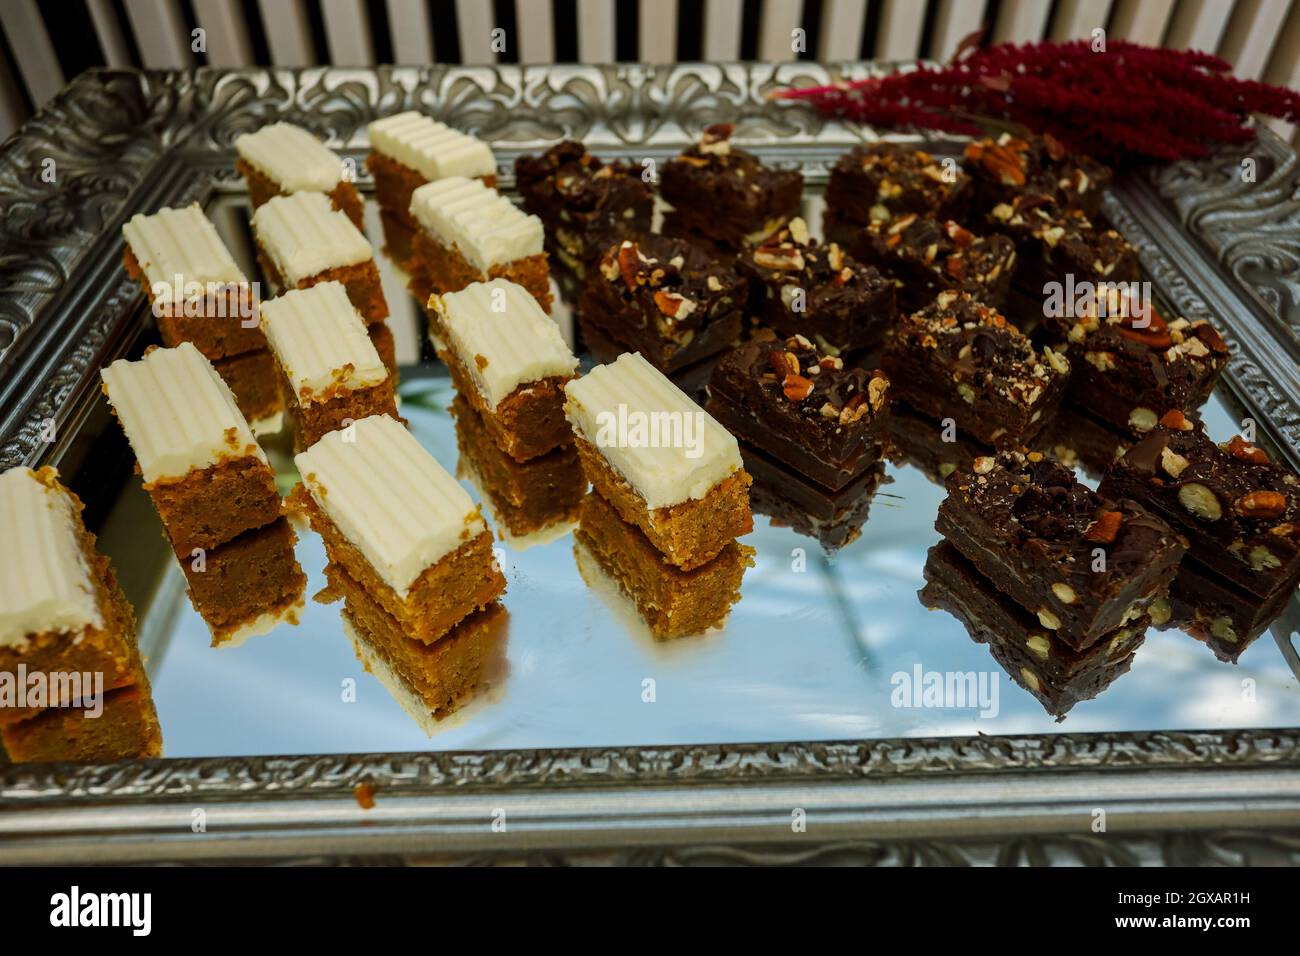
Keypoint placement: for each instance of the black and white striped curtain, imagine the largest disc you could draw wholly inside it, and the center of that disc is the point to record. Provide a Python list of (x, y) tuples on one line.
[(44, 44)]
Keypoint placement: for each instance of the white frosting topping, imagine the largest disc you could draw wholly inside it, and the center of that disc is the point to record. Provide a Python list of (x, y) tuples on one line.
[(487, 228), (502, 336), (291, 157), (389, 497), (45, 584), (180, 242), (178, 414), (320, 340), (304, 235), (432, 149), (664, 445)]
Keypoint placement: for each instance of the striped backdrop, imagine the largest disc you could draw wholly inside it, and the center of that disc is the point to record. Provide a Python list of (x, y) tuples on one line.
[(44, 44)]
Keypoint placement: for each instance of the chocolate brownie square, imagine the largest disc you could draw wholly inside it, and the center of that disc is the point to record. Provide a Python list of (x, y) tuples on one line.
[(585, 204), (1083, 563), (1006, 166), (801, 287), (727, 195), (882, 180), (961, 359), (1239, 509), (926, 256), (665, 298), (804, 408)]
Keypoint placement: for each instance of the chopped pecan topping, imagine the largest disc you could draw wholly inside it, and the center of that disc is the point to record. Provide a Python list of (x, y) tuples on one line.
[(782, 363), (673, 305), (780, 258), (1209, 335), (854, 409), (629, 265), (797, 388), (1260, 504), (1175, 419), (1242, 450), (958, 234), (1105, 528)]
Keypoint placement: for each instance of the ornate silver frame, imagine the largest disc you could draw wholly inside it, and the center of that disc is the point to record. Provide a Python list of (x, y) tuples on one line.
[(120, 141)]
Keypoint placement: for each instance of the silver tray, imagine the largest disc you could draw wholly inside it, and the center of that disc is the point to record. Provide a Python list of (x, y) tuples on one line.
[(784, 716)]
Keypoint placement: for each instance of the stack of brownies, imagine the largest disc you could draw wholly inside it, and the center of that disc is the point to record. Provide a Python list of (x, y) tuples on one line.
[(812, 430), (198, 294), (1241, 513), (1059, 580), (72, 683), (509, 366), (670, 496), (410, 557), (213, 488)]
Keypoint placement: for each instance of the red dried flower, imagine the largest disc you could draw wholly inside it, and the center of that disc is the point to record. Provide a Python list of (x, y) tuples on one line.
[(1128, 102)]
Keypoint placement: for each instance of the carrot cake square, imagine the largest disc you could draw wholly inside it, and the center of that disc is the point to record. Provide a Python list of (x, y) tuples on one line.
[(663, 462), (254, 380), (399, 524), (672, 602), (196, 290), (410, 149), (429, 681), (528, 500), (123, 727), (206, 474), (470, 233), (246, 587), (62, 614), (302, 240), (332, 372), (508, 359), (281, 158)]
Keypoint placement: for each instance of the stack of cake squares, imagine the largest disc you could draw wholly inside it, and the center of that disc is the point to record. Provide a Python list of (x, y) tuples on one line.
[(199, 295), (72, 682), (670, 497), (444, 222), (308, 224), (412, 560), (213, 488), (509, 365)]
